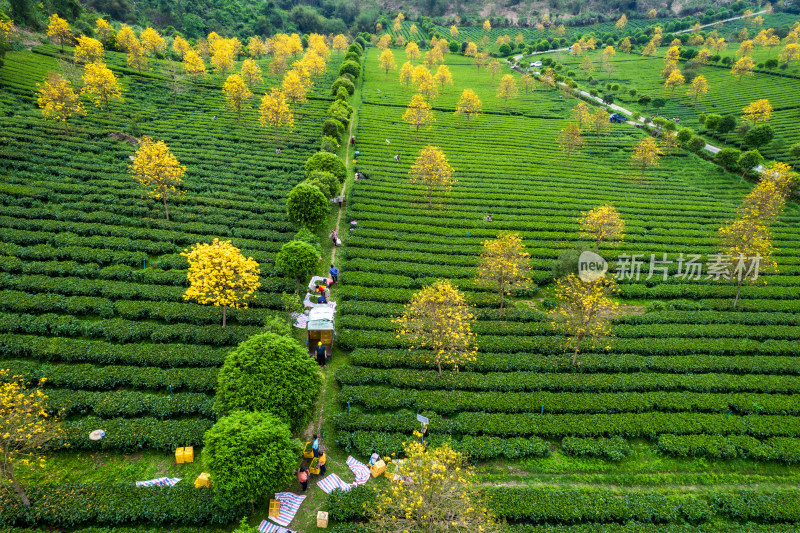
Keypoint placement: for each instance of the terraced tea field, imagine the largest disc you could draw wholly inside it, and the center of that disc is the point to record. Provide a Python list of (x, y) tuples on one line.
[(685, 374), (91, 290), (726, 94)]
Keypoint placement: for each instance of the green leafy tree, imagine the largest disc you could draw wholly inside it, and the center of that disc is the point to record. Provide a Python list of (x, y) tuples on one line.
[(728, 158), (307, 206), (297, 259), (727, 125), (749, 160), (326, 162), (249, 456), (269, 372), (759, 136)]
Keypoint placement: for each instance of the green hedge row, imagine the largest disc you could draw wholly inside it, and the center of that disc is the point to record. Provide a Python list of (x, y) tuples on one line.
[(590, 362), (615, 448), (624, 331), (477, 448), (184, 312), (630, 425), (91, 377), (63, 349), (784, 449), (126, 404), (128, 434), (569, 506), (124, 331), (452, 402), (108, 505), (113, 290), (577, 382), (122, 237), (554, 344), (780, 506), (593, 527)]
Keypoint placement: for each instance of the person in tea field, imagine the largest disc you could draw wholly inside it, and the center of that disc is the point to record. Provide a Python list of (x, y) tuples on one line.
[(302, 477), (315, 444), (488, 218), (323, 459), (321, 356), (322, 299), (334, 272)]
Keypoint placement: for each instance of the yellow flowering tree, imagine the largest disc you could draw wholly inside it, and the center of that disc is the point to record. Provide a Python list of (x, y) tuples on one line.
[(782, 175), (181, 47), (471, 50), (487, 26), (625, 45), (340, 43), (432, 170), (126, 39), (251, 72), (156, 169), (152, 42), (645, 154), (443, 76), (433, 57), (584, 310), (744, 239), (58, 29), (418, 113), (293, 88), (698, 87), (505, 265), (386, 60), (105, 32), (743, 67), (570, 139), (100, 84), (438, 318), (236, 94), (674, 80), (88, 50), (412, 51), (507, 88), (758, 111), (623, 20), (220, 275), (137, 57), (57, 100), (26, 429), (406, 73), (193, 65), (469, 104), (275, 112), (602, 223), (437, 491), (255, 47)]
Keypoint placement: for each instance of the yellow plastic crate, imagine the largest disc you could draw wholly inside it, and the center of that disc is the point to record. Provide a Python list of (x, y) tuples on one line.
[(313, 468), (308, 452), (274, 507), (203, 480), (188, 454), (322, 519), (179, 458), (378, 468)]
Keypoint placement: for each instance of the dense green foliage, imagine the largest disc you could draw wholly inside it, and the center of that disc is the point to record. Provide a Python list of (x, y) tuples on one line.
[(307, 206), (270, 373), (249, 455)]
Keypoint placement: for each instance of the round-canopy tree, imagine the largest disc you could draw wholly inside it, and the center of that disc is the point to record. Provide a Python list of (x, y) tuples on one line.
[(297, 259), (249, 456), (327, 162), (306, 205), (269, 372)]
